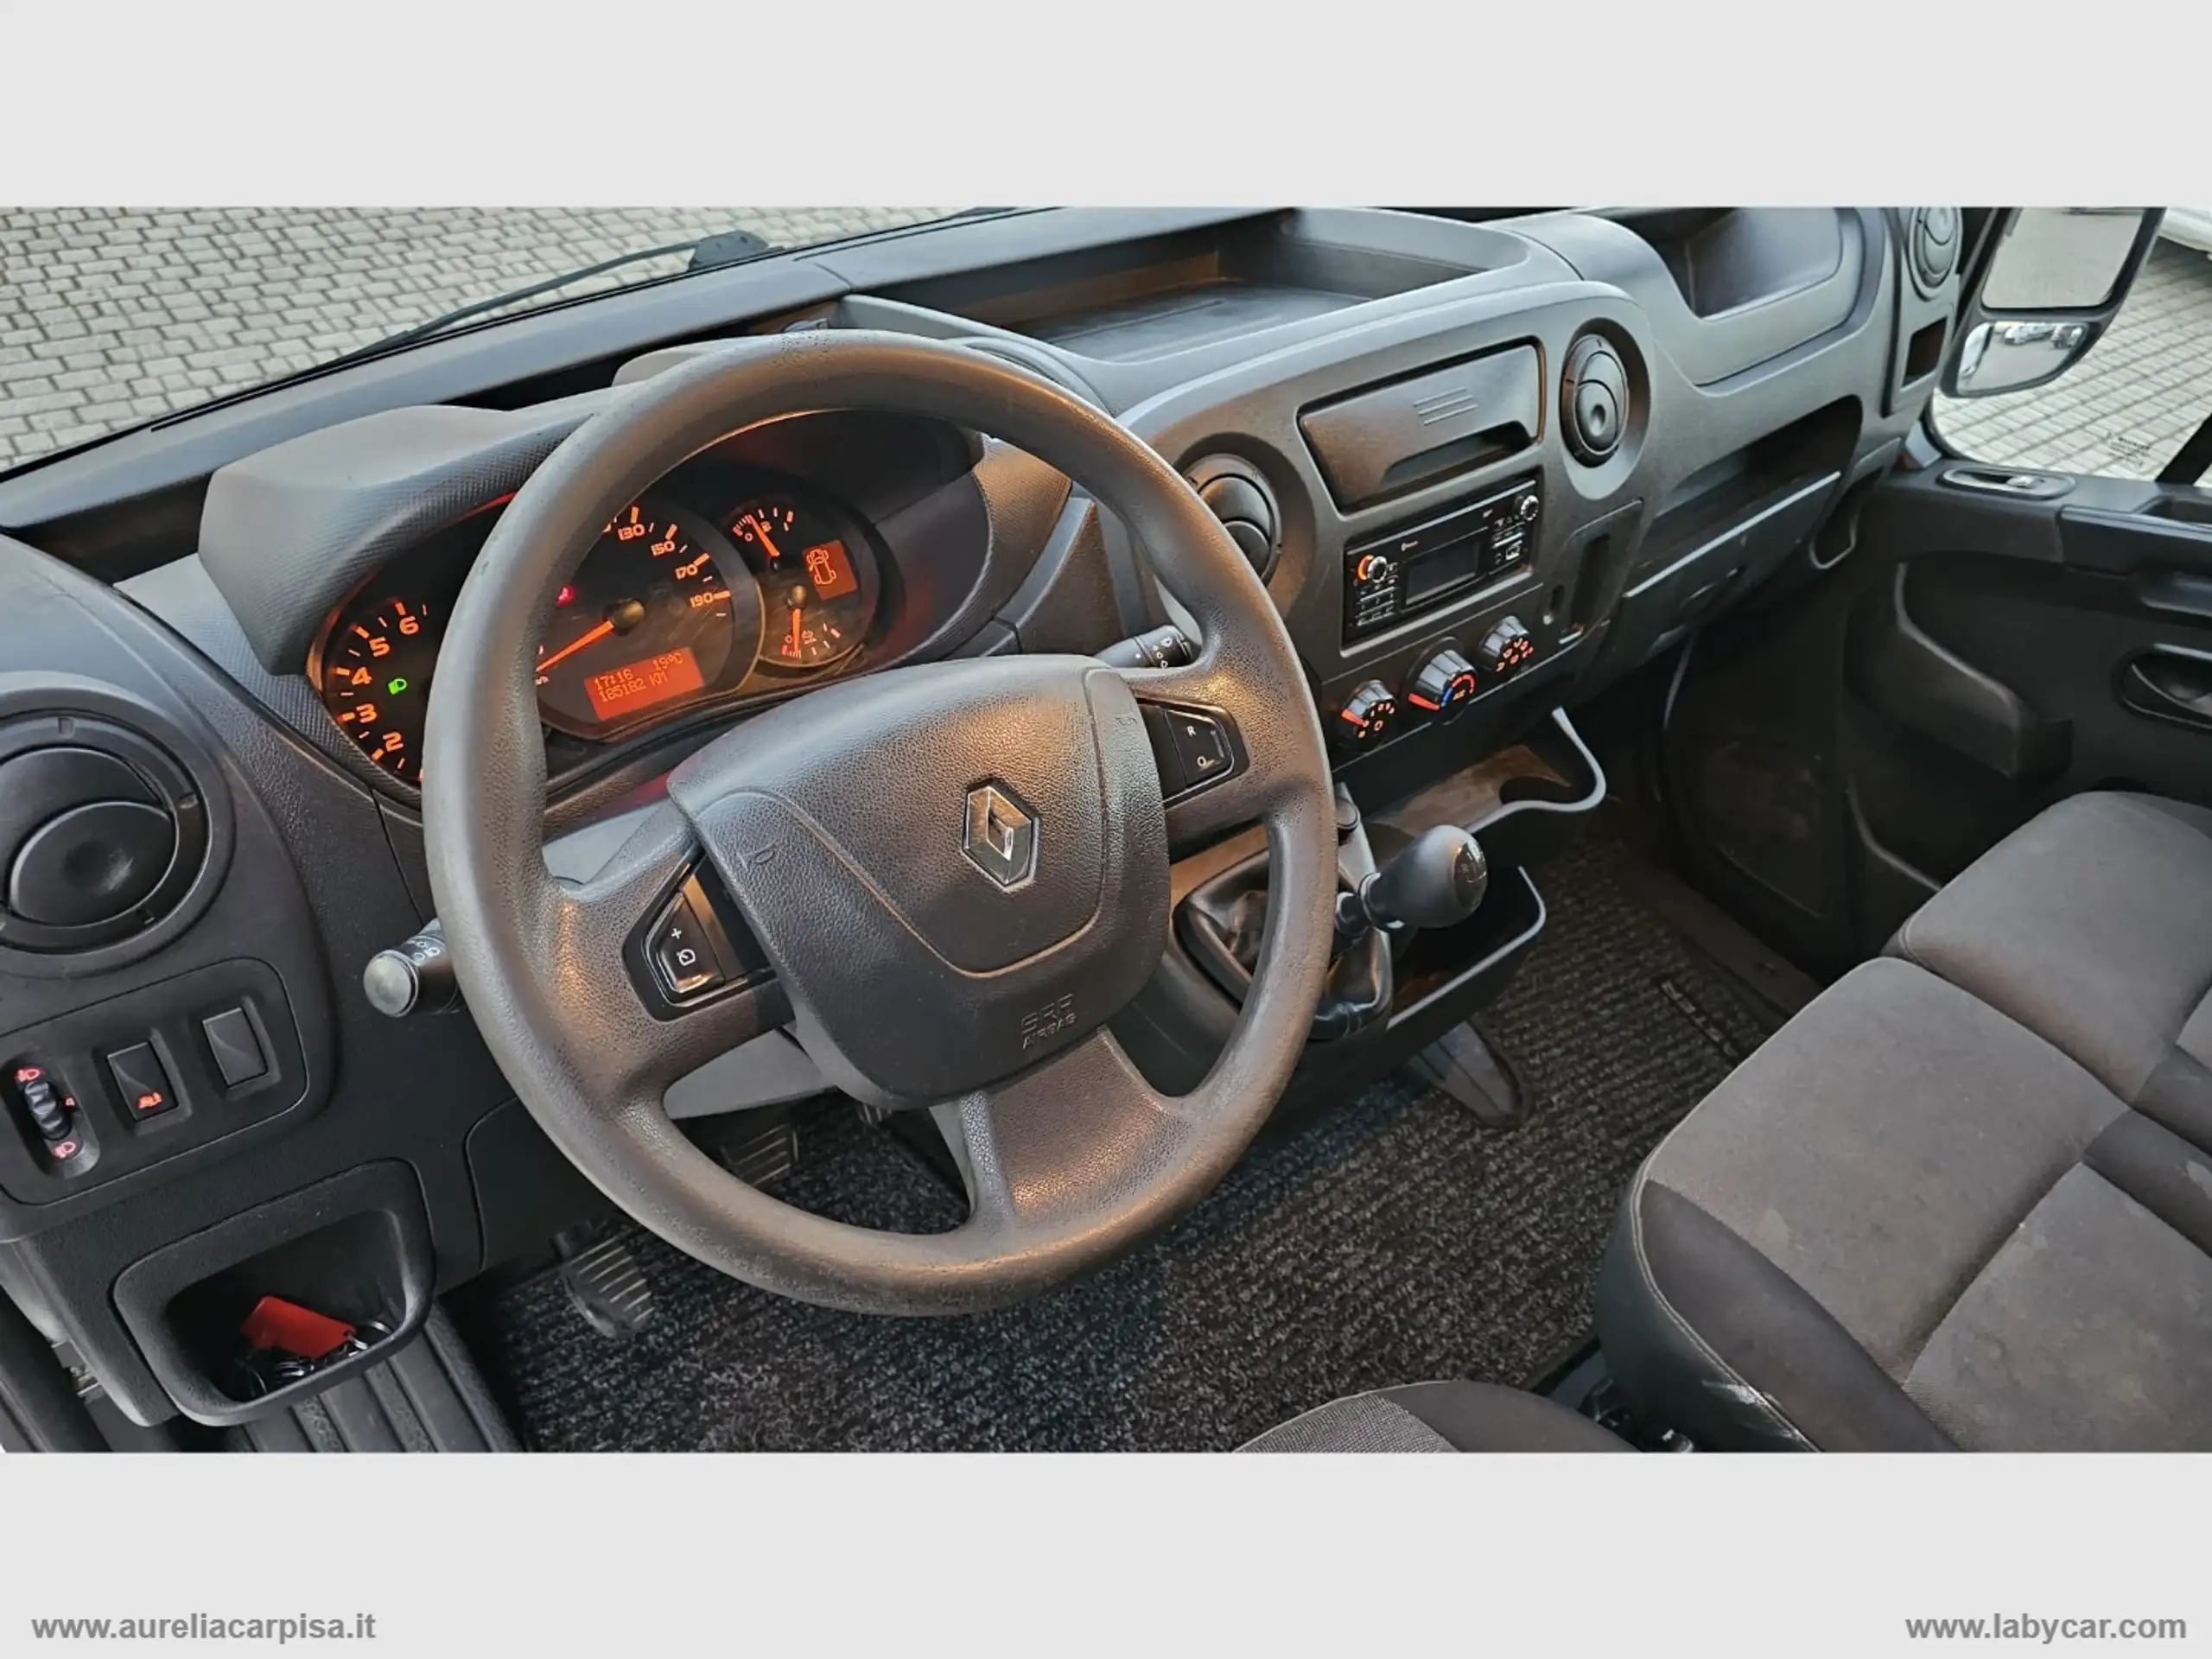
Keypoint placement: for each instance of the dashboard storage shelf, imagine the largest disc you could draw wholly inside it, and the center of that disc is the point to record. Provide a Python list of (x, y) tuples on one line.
[(354, 1249), (1523, 804), (1151, 298)]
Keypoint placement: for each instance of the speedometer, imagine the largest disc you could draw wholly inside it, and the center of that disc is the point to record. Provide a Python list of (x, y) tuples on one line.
[(651, 620)]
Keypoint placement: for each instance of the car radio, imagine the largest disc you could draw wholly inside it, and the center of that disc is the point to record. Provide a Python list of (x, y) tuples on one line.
[(1423, 565)]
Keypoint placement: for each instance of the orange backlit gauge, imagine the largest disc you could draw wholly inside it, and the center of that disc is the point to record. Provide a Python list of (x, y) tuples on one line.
[(374, 671), (817, 587), (650, 619)]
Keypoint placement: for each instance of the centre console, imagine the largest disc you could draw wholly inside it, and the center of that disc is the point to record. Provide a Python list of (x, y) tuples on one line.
[(1413, 569)]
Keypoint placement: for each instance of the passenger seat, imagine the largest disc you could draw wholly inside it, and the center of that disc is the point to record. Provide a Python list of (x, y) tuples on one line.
[(1965, 1197)]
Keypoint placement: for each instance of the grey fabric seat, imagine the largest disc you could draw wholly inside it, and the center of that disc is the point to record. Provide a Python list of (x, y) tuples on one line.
[(1947, 1206), (1438, 1417), (2092, 926)]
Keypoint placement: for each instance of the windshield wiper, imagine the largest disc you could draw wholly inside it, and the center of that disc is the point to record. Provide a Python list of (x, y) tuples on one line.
[(707, 253)]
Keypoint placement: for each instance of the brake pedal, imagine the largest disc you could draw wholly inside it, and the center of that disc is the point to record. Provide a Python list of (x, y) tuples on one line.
[(609, 1288)]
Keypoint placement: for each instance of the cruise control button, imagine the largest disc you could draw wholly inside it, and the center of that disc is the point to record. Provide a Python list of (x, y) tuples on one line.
[(140, 1080), (1200, 744), (683, 955), (1157, 729)]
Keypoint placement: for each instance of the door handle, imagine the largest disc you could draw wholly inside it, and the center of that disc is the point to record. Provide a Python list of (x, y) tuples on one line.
[(2169, 683)]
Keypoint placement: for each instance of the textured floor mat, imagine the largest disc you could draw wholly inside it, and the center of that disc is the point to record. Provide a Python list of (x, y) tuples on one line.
[(1394, 1241)]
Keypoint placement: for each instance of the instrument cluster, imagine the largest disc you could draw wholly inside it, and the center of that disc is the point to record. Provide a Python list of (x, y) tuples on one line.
[(672, 608)]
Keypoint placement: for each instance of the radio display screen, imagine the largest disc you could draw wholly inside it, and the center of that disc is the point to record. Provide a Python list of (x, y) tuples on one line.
[(1447, 568)]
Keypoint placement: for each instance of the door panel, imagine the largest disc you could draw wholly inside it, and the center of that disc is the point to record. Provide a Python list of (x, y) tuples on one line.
[(1991, 651)]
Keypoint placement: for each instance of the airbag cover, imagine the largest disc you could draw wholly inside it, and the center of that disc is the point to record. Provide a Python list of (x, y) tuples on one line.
[(845, 826)]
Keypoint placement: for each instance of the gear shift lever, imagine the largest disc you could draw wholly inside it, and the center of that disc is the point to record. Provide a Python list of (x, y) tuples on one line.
[(1436, 881)]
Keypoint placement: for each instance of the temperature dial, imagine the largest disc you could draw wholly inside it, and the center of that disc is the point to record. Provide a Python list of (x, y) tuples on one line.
[(1506, 649), (1443, 682), (1366, 717)]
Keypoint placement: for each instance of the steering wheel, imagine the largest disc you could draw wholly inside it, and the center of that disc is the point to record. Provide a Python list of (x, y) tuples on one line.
[(959, 870)]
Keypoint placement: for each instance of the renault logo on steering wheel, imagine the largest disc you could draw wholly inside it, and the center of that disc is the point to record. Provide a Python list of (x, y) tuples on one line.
[(1001, 839)]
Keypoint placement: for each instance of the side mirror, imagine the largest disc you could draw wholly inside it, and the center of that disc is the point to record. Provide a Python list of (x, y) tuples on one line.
[(2042, 292)]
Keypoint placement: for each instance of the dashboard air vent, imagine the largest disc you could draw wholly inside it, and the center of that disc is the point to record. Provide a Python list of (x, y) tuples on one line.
[(102, 833), (1594, 400), (1931, 245), (1240, 497)]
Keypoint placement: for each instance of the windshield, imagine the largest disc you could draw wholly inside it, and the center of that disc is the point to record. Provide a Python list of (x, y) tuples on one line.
[(110, 318)]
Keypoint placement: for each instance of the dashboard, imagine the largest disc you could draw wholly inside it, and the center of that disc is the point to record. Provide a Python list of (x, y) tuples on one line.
[(704, 592), (1485, 471)]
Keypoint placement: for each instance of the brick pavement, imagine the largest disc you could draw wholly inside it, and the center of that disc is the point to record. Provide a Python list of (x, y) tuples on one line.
[(2127, 406), (110, 316)]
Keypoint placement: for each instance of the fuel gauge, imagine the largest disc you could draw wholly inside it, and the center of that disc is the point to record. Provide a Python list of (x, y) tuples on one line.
[(817, 587)]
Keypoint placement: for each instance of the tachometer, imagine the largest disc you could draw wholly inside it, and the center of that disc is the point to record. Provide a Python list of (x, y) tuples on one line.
[(650, 621), (374, 672), (817, 581)]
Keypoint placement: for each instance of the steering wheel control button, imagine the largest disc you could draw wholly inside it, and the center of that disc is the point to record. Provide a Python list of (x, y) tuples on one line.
[(1506, 650), (682, 954), (91, 863), (145, 1088), (234, 1047), (1194, 749), (1442, 685), (1203, 745), (1367, 716)]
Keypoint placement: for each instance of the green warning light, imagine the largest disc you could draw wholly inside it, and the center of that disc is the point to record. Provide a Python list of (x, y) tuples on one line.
[(395, 686)]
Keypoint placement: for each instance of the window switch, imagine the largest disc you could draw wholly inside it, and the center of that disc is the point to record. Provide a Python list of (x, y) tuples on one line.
[(236, 1050), (141, 1081)]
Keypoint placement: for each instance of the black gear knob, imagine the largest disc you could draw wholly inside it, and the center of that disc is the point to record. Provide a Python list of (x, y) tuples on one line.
[(1436, 882)]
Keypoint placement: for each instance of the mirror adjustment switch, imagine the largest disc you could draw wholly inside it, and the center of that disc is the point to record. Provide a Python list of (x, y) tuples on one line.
[(145, 1088), (235, 1049)]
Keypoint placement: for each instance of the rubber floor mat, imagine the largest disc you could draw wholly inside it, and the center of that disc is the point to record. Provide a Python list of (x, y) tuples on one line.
[(1393, 1241)]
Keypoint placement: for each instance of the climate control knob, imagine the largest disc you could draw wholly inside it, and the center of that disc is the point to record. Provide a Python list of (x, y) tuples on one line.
[(1366, 718), (1505, 650), (1441, 684)]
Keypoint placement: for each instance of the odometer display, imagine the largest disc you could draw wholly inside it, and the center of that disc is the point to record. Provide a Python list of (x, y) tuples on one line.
[(375, 679), (624, 690), (650, 619)]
